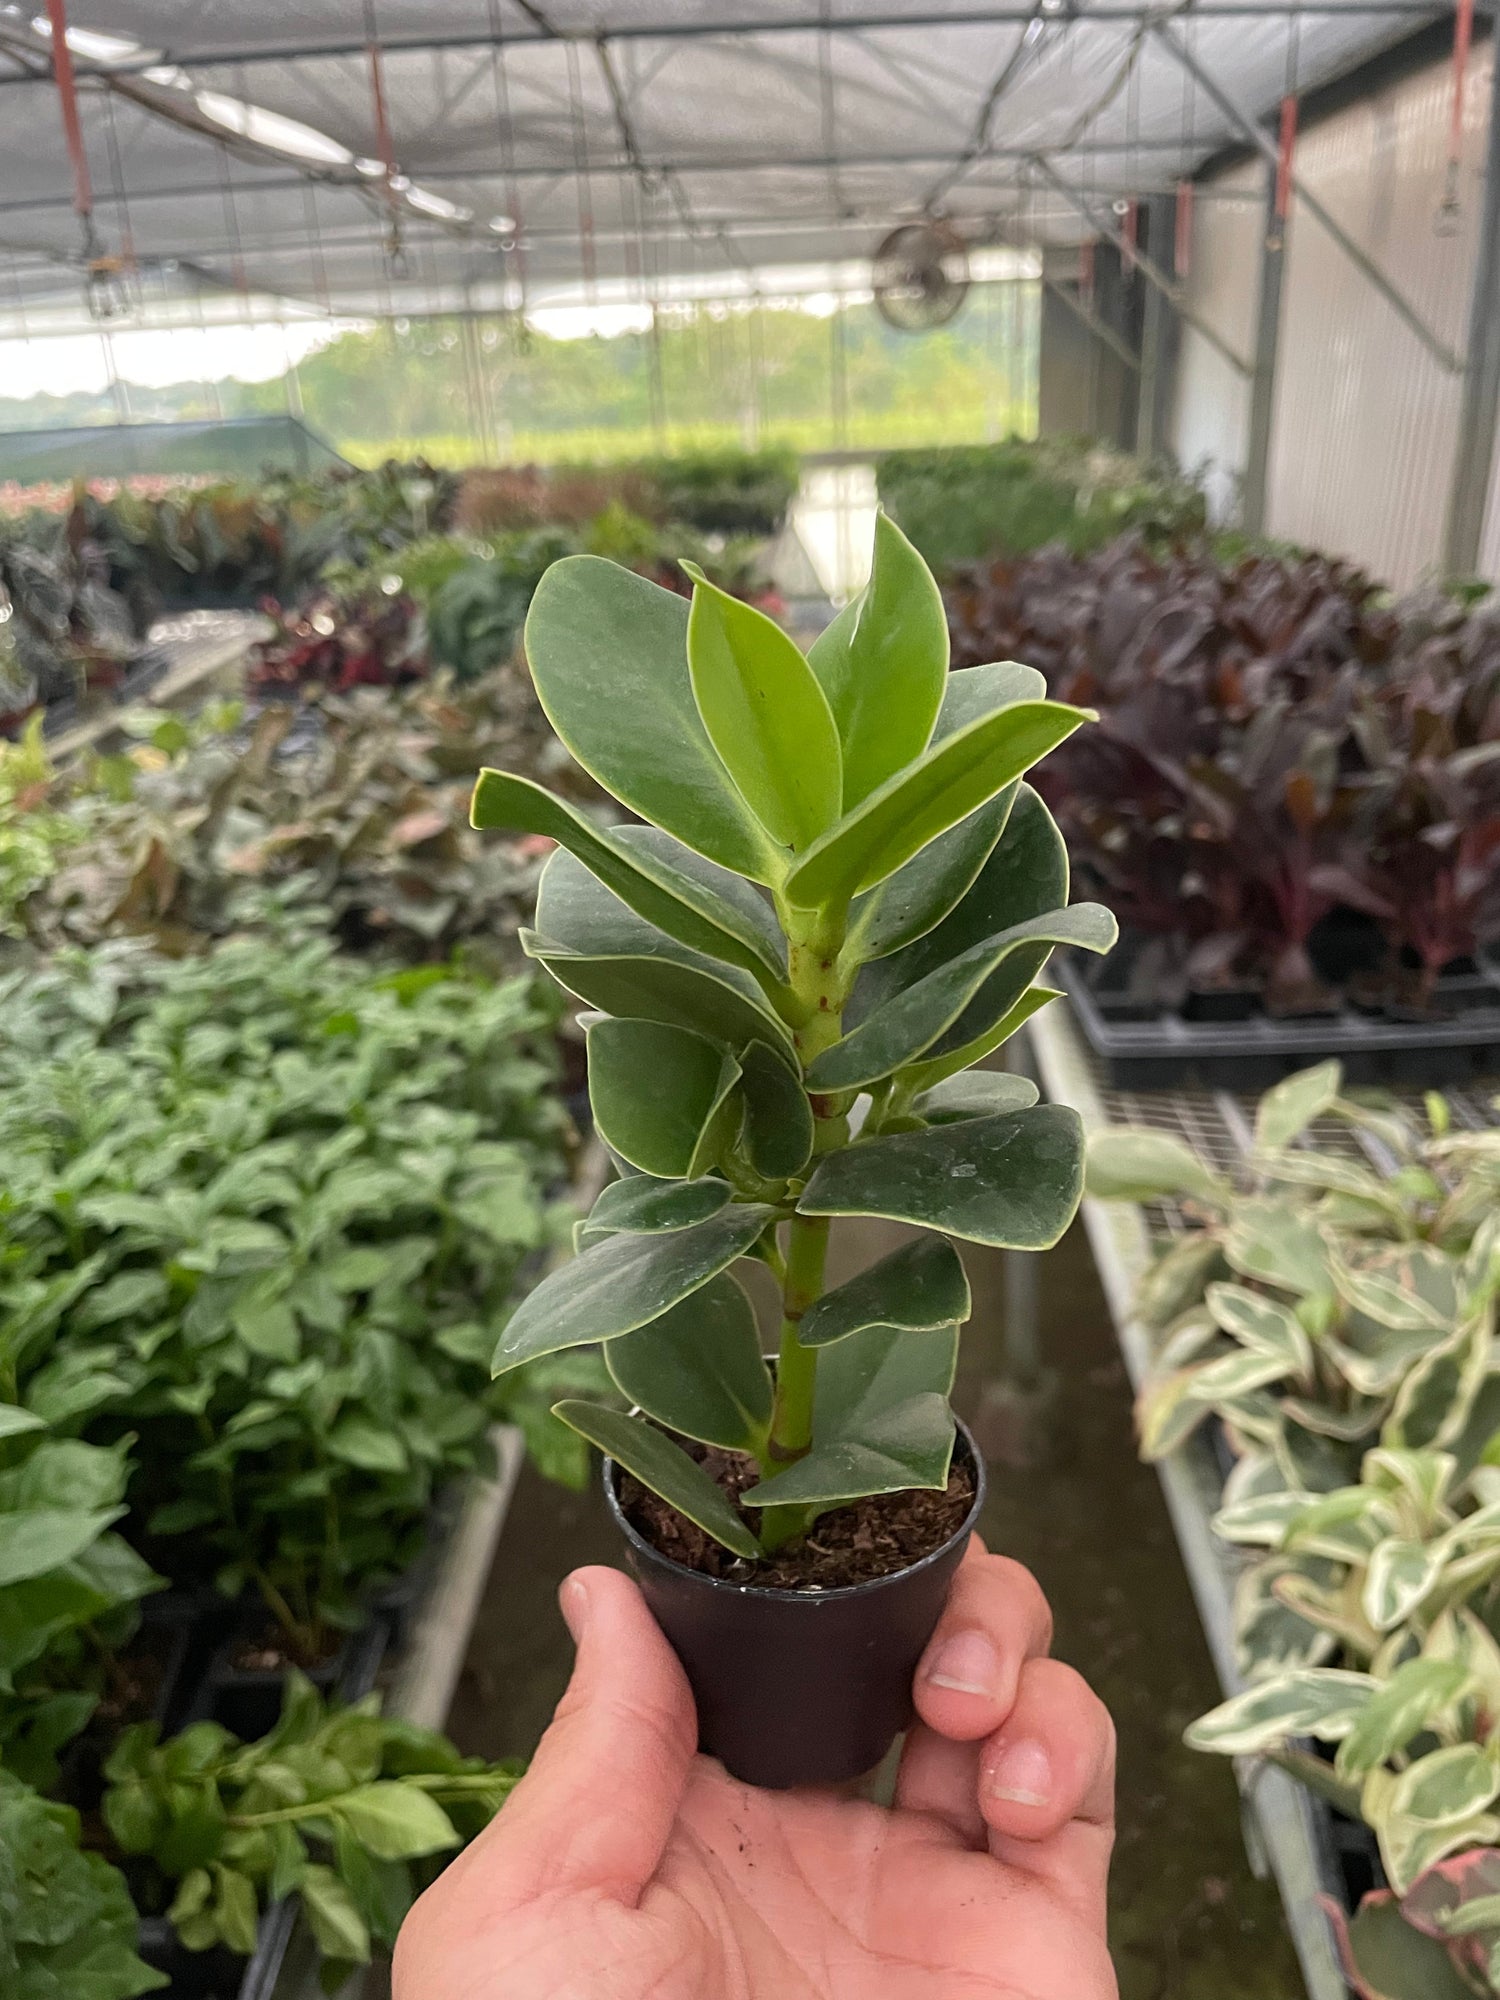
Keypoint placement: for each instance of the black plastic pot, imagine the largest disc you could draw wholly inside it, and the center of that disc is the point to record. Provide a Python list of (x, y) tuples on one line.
[(220, 1974), (799, 1687), (248, 1700)]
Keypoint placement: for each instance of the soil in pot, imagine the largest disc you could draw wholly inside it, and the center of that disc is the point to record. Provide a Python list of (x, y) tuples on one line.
[(801, 1666)]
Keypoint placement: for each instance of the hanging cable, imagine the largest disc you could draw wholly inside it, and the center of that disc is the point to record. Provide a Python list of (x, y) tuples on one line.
[(395, 247), (1287, 142), (1182, 221), (1463, 33), (103, 286)]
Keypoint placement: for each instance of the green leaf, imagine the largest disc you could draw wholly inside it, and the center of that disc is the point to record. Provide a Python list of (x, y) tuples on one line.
[(937, 1069), (1012, 1181), (236, 1911), (359, 1441), (1445, 1786), (1386, 1300), (1325, 1702), (338, 1929), (1403, 1708), (1289, 1107), (656, 1092), (599, 949), (778, 1128), (665, 1468), (1128, 1163), (765, 714), (914, 1020), (14, 1421), (1388, 1960), (395, 1822), (918, 1288), (625, 1282), (268, 1327), (881, 1421), (698, 1369), (594, 627), (1273, 1241), (45, 1538), (924, 800), (671, 898), (1399, 1577), (981, 1093), (923, 890), (1261, 1324), (640, 1206), (883, 663)]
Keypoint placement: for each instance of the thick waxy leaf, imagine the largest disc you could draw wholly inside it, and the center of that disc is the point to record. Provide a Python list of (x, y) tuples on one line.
[(675, 901), (924, 800), (608, 654), (923, 891), (1325, 1702), (1388, 1960), (1013, 1181), (936, 1069), (1237, 1374), (1408, 1702), (1168, 1411), (970, 991), (980, 1093), (1128, 1163), (664, 1467), (1432, 1405), (1271, 1240), (640, 1206), (1399, 1577), (766, 716), (778, 1129), (1289, 1107), (1393, 1299), (625, 1282), (656, 1093), (698, 1369), (918, 1288), (1261, 1324), (599, 949), (883, 663), (1446, 1785), (881, 1421)]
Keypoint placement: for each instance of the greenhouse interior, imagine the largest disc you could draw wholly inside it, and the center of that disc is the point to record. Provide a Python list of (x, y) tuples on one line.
[(613, 1382)]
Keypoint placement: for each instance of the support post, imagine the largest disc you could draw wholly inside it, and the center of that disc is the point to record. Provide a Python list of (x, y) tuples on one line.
[(1479, 412), (1265, 145), (1158, 363), (1263, 377)]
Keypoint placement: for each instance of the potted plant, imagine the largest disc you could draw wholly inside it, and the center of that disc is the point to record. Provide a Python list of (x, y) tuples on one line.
[(838, 904)]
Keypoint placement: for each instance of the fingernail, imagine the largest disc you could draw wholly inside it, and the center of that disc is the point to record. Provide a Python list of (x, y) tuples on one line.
[(967, 1663), (1022, 1775), (573, 1602)]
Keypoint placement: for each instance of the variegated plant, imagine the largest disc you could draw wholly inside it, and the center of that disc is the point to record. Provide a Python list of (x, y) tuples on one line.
[(1326, 1306), (841, 900)]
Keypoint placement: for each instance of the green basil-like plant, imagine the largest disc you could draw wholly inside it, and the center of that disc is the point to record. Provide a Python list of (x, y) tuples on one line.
[(839, 902)]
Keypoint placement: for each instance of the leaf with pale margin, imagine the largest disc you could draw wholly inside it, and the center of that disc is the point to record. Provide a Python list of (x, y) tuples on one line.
[(778, 1130), (1261, 1323), (601, 950), (625, 1282), (981, 1093), (1013, 1181), (943, 787), (1446, 1785), (1129, 1163), (918, 1288), (1399, 1577), (881, 1421), (1404, 1706), (675, 901), (765, 714), (1273, 1241), (1382, 1299), (656, 1092), (1289, 1107), (963, 992), (663, 1467), (937, 1069), (1325, 1702), (641, 1206), (923, 890), (883, 664), (698, 1369), (594, 626)]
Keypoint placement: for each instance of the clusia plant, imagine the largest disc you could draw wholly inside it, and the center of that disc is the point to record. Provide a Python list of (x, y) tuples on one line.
[(839, 903)]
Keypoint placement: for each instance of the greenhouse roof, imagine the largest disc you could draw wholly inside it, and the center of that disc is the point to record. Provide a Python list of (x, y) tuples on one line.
[(498, 151)]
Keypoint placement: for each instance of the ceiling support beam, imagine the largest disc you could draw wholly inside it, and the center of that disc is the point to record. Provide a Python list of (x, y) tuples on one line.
[(1479, 412), (1146, 264), (1099, 328), (1257, 136), (1256, 485)]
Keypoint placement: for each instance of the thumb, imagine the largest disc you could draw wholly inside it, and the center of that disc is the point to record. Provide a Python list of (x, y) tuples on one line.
[(596, 1807)]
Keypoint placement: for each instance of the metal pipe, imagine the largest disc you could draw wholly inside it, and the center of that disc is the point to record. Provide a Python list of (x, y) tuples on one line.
[(1146, 264), (1479, 411), (1263, 143), (1263, 381)]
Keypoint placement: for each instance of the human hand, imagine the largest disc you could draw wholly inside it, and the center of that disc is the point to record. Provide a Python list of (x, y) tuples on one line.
[(624, 1866)]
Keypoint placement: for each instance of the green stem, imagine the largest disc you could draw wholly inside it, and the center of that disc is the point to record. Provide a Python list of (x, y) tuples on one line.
[(796, 1365)]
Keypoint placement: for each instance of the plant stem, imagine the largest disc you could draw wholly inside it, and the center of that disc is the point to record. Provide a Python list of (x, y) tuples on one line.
[(796, 1365)]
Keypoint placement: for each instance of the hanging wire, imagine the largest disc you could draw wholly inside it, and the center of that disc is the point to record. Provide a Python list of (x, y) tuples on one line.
[(1448, 216), (395, 246), (512, 246), (1287, 143), (1182, 221)]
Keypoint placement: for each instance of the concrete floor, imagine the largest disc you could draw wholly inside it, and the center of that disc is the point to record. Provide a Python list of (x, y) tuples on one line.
[(1189, 1920)]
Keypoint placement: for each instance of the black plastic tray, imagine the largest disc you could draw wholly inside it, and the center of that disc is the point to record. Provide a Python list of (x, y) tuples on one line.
[(1138, 1050)]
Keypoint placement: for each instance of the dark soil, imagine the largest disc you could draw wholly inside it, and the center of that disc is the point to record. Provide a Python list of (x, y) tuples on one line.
[(855, 1543), (272, 1651)]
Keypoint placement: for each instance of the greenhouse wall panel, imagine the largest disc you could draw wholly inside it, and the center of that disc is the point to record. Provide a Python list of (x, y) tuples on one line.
[(1212, 416), (1365, 416)]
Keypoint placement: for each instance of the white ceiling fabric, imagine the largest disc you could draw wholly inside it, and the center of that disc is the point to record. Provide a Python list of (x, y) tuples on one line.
[(639, 144)]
